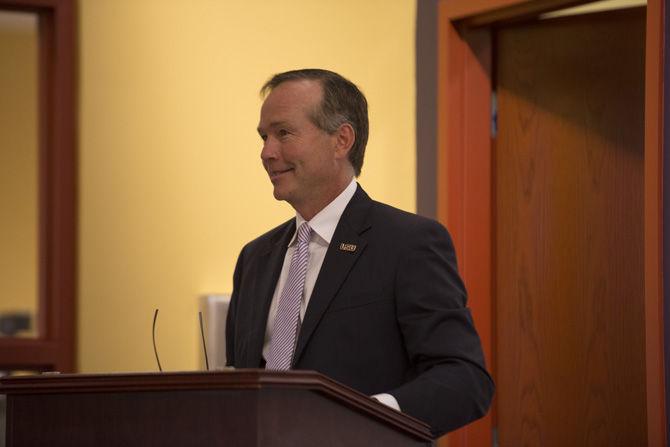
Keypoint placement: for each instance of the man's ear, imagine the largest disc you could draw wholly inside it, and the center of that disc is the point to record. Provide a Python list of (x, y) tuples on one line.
[(345, 137)]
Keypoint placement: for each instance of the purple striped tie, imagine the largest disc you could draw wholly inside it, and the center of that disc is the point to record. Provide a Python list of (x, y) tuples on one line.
[(287, 321)]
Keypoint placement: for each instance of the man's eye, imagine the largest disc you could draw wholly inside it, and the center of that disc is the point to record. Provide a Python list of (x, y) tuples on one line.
[(282, 132), (263, 137)]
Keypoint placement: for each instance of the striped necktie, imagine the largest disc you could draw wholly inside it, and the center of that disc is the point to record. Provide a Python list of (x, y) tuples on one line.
[(287, 320)]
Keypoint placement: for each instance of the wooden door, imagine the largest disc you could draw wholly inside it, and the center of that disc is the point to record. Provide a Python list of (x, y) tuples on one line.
[(568, 169)]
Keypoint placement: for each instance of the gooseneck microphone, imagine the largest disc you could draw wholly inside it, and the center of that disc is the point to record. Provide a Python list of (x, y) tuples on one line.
[(202, 335), (153, 337), (204, 345)]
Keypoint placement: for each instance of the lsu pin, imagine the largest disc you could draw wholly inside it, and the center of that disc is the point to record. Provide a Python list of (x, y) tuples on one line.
[(347, 247)]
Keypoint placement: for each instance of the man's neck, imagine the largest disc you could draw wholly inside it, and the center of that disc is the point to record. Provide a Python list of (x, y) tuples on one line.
[(311, 209)]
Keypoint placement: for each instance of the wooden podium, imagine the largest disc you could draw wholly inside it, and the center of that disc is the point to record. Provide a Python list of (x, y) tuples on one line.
[(229, 408)]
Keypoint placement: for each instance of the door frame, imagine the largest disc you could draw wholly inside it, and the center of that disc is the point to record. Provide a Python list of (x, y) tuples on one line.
[(54, 348), (465, 183)]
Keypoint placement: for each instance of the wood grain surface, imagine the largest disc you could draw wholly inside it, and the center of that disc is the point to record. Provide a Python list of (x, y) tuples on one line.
[(569, 178)]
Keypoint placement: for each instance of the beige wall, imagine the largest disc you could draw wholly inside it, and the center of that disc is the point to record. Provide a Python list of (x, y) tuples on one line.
[(18, 163), (171, 181)]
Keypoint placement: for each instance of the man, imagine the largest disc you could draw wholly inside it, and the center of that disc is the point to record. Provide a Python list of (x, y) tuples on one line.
[(357, 290)]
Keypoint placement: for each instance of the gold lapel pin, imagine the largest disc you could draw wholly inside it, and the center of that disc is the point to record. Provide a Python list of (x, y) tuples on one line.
[(347, 247)]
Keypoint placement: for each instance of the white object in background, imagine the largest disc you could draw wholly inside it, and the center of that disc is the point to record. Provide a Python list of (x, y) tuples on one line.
[(214, 308)]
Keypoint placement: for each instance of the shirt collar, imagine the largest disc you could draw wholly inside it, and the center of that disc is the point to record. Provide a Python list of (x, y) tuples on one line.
[(326, 220)]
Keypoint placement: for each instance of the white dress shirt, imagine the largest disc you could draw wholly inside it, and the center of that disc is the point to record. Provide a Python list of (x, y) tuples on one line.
[(323, 226)]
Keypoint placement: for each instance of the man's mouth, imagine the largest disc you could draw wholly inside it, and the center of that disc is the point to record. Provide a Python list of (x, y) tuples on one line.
[(276, 173)]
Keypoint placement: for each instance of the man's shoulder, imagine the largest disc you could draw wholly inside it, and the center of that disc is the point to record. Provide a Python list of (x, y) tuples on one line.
[(269, 238), (401, 220), (392, 222)]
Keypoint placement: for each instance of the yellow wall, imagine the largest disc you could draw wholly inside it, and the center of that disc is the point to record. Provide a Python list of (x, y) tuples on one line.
[(18, 163), (171, 181)]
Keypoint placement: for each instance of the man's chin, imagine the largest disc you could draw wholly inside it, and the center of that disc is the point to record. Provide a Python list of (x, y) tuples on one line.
[(279, 194)]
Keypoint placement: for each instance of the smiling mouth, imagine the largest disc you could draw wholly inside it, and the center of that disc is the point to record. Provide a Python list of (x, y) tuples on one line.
[(274, 174)]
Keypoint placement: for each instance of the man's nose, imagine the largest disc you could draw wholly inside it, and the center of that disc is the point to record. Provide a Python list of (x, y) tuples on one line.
[(269, 150)]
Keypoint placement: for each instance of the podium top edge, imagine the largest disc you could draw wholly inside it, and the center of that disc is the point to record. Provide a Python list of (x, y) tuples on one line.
[(233, 379)]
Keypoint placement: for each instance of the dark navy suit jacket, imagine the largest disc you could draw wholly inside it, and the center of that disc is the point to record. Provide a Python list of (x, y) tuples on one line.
[(387, 317)]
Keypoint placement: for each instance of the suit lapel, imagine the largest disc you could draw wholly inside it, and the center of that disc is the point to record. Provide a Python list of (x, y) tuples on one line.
[(337, 264), (268, 268)]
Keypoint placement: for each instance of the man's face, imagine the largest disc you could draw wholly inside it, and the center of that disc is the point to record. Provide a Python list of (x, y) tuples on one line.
[(300, 158)]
